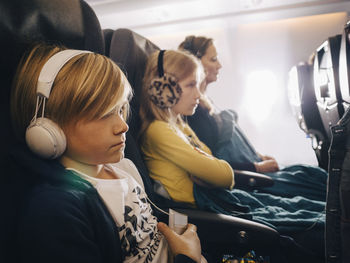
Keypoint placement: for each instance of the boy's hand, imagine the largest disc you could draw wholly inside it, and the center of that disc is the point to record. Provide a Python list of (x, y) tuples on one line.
[(187, 244)]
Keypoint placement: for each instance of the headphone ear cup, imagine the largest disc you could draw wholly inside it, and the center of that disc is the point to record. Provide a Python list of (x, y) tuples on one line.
[(165, 91), (45, 138)]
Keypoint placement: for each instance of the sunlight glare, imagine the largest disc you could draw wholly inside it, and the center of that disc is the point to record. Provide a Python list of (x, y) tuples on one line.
[(261, 94)]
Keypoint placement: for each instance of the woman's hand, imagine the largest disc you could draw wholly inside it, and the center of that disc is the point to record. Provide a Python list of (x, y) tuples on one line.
[(267, 166), (265, 157), (186, 244)]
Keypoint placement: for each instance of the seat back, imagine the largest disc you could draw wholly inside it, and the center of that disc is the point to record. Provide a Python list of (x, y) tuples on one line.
[(68, 22), (130, 51), (107, 35), (344, 67), (338, 197), (326, 83), (303, 101)]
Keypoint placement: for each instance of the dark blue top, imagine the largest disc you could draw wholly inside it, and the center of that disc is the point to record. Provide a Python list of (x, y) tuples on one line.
[(57, 216), (222, 142)]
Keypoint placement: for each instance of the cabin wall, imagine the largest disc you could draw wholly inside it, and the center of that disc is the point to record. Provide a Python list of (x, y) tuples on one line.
[(256, 50)]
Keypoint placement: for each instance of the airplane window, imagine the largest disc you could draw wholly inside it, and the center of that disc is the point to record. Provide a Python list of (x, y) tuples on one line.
[(261, 94), (293, 88)]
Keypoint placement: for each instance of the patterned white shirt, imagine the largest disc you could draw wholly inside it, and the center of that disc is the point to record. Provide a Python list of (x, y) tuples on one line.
[(127, 202)]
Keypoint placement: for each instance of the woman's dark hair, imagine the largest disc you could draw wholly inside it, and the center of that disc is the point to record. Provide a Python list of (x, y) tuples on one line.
[(196, 45)]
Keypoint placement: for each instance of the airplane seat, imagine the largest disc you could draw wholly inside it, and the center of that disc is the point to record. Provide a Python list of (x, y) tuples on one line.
[(337, 234), (304, 106), (344, 66), (71, 23), (107, 36), (338, 198), (326, 83), (219, 233), (130, 52)]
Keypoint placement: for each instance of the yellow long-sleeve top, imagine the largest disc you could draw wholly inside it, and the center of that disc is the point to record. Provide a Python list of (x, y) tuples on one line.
[(173, 156)]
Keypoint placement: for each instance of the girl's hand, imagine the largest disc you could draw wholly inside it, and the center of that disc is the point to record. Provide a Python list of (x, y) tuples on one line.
[(186, 244)]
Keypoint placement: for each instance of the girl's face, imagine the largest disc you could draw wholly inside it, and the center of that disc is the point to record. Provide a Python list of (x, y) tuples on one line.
[(211, 64), (99, 141), (189, 99)]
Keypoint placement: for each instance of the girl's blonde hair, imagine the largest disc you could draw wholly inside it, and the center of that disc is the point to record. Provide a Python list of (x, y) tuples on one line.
[(87, 87), (177, 63)]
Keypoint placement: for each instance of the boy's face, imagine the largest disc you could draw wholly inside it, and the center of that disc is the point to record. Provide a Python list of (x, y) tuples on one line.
[(99, 141)]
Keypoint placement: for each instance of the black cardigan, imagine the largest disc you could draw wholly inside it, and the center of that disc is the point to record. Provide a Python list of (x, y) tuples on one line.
[(206, 128), (60, 217)]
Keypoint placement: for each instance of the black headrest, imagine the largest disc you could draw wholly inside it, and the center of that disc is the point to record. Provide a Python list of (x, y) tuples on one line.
[(107, 35), (130, 51), (68, 22), (71, 23)]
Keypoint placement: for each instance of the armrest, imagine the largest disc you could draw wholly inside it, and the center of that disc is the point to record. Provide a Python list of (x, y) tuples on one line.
[(223, 234), (229, 234), (248, 179)]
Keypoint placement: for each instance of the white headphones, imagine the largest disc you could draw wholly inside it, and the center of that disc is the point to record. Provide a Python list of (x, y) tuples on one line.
[(43, 136)]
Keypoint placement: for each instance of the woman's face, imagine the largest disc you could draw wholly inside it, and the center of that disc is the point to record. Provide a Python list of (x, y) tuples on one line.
[(189, 99), (211, 64)]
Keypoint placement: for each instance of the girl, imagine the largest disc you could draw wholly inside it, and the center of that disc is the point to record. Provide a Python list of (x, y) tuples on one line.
[(86, 204), (221, 133), (172, 150), (186, 167)]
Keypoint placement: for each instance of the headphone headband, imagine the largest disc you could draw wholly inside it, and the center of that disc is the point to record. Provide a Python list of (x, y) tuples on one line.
[(52, 67), (160, 63), (43, 136)]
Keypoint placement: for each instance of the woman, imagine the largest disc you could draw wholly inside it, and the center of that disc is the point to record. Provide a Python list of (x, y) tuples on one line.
[(221, 133), (84, 202), (186, 167)]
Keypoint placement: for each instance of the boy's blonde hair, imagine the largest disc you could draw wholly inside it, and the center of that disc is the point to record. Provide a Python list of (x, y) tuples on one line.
[(177, 63), (87, 87)]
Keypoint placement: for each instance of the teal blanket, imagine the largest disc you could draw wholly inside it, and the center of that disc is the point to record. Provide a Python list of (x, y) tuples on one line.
[(295, 180), (284, 214)]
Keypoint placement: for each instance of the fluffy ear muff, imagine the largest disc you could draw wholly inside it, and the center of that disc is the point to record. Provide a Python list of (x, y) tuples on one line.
[(45, 138), (164, 91)]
